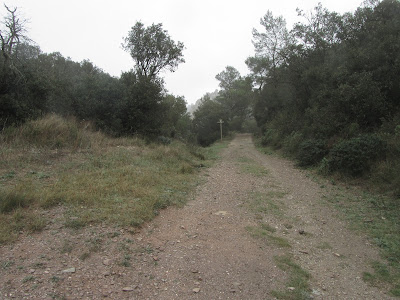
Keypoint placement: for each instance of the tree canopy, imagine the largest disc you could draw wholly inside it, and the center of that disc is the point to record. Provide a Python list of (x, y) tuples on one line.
[(328, 89), (153, 50), (33, 83)]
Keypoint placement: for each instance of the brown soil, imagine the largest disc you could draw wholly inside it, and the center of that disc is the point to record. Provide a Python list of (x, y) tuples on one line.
[(204, 250)]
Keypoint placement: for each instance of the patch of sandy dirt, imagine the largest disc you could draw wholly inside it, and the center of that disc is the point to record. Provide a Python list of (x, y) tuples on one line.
[(203, 250)]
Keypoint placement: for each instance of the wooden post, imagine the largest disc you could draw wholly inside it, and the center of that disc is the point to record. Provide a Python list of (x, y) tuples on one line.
[(220, 126)]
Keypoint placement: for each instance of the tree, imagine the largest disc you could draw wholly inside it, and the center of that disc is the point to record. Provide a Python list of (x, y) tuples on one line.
[(235, 97), (259, 67), (141, 109), (12, 35), (23, 92), (174, 110), (322, 29), (272, 44), (153, 50), (227, 77), (205, 122)]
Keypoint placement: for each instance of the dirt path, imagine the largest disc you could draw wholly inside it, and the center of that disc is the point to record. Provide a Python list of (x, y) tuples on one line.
[(245, 234)]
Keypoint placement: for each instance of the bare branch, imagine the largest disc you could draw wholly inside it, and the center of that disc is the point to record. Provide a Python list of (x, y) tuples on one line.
[(12, 35)]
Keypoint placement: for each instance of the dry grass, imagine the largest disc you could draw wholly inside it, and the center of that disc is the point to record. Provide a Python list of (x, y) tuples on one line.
[(54, 161)]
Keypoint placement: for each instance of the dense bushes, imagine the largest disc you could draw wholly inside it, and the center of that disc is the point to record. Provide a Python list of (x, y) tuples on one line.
[(355, 156), (329, 90), (311, 152)]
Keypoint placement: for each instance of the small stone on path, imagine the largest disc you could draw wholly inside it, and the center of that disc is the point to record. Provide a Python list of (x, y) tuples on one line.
[(129, 288), (221, 213), (107, 262), (70, 270)]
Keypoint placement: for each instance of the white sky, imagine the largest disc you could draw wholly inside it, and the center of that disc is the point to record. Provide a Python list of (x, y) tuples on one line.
[(216, 33)]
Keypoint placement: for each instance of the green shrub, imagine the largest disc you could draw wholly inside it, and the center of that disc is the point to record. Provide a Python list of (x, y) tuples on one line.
[(397, 130), (271, 138), (163, 140), (250, 126), (386, 174), (209, 138), (292, 142), (355, 156), (311, 152)]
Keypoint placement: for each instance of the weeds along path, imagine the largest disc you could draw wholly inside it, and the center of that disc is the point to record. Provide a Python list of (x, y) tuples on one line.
[(256, 229)]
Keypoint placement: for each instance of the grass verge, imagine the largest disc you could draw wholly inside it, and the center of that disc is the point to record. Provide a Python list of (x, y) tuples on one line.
[(57, 162), (378, 216)]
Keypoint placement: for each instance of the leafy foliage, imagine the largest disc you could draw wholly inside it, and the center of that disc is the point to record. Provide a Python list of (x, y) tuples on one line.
[(356, 155), (153, 50), (328, 89), (311, 152), (205, 121)]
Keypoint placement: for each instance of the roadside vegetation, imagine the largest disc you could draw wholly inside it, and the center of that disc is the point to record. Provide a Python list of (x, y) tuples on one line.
[(329, 90), (376, 215), (55, 163)]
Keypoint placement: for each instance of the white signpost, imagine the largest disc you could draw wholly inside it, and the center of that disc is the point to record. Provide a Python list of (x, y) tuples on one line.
[(220, 126)]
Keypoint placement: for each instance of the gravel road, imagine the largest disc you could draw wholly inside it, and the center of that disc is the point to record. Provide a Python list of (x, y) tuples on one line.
[(226, 243)]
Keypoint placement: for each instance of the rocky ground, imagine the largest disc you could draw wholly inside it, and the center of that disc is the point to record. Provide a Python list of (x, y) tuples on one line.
[(226, 243)]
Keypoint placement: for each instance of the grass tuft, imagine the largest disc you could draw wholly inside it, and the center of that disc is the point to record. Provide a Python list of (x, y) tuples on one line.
[(11, 200), (266, 235), (298, 281), (267, 202)]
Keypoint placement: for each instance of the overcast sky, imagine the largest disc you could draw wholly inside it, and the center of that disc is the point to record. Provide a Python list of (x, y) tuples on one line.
[(216, 33)]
